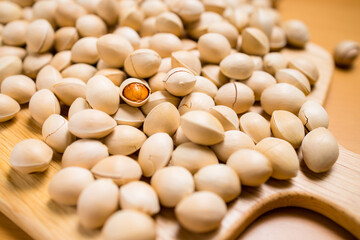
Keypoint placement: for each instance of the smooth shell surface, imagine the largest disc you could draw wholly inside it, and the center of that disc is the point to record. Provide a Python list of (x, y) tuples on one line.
[(192, 156), (220, 179), (78, 105), (179, 81), (306, 67), (155, 153), (42, 104), (320, 150), (84, 153), (162, 118), (201, 212), (252, 167), (8, 108), (195, 101), (129, 224), (9, 65), (84, 51), (237, 65), (281, 154), (254, 42), (202, 128), (139, 195), (103, 194), (255, 126), (297, 33), (67, 184), (213, 47), (47, 77), (285, 125), (129, 116), (142, 63), (124, 140), (282, 96), (121, 169), (91, 123), (69, 89), (346, 52), (172, 184), (233, 141), (205, 85), (187, 60), (31, 155), (157, 98), (227, 117), (295, 78)]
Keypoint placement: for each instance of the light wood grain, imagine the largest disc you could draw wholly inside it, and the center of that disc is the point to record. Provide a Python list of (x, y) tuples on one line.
[(24, 198)]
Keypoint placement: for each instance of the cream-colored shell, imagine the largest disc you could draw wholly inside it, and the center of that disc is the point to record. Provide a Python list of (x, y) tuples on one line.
[(172, 184), (121, 169), (91, 123), (346, 52), (9, 65), (204, 85), (164, 44), (34, 62), (139, 195), (19, 87), (235, 95), (129, 116), (226, 29), (198, 28), (39, 36), (282, 155), (297, 33), (258, 63), (259, 81), (124, 140), (239, 18), (227, 117), (214, 74), (188, 10), (320, 150), (186, 59), (147, 29), (254, 42), (263, 20), (156, 82), (153, 8), (313, 115), (142, 63), (129, 224), (130, 81), (65, 38), (273, 62), (306, 67), (115, 75), (252, 167), (295, 78), (61, 60), (130, 34), (84, 153), (165, 65), (207, 204), (45, 10), (81, 71), (196, 101), (213, 47), (78, 105), (287, 126), (189, 44), (131, 17), (31, 155), (103, 194), (47, 77), (179, 137), (68, 89), (219, 179), (168, 22), (192, 156), (157, 98), (277, 39), (102, 94), (8, 108), (233, 141), (155, 153), (90, 25), (67, 184), (237, 65), (162, 118), (42, 104), (55, 133), (255, 126), (179, 81), (84, 51), (108, 10), (9, 11), (67, 12), (12, 51), (202, 128), (14, 33)]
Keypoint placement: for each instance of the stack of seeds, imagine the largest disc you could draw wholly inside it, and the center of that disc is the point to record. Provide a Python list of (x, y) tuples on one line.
[(159, 89)]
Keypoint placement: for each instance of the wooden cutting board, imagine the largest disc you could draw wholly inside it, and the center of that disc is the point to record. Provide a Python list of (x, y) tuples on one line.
[(335, 194)]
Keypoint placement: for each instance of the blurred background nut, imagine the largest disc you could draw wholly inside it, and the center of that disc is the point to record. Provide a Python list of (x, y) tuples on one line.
[(14, 33), (297, 33), (346, 52), (65, 38), (169, 22), (90, 25)]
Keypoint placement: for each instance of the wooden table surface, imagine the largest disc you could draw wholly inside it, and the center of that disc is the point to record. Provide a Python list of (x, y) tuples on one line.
[(329, 22)]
